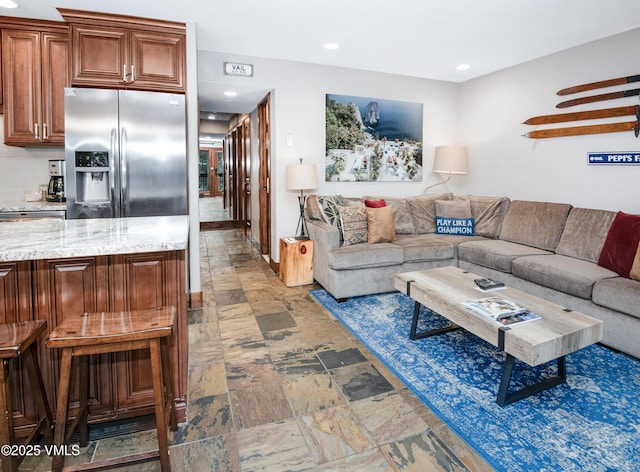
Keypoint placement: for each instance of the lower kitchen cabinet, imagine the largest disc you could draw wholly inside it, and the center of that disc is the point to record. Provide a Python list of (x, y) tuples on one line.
[(147, 281), (16, 306), (63, 287), (120, 384)]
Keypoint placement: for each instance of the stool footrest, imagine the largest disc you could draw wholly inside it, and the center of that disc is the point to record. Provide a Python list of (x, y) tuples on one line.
[(117, 462)]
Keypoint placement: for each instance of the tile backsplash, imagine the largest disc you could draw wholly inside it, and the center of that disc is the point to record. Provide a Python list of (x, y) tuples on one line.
[(23, 169)]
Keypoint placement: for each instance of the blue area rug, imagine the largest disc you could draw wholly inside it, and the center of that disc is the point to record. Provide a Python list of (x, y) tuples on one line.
[(589, 423)]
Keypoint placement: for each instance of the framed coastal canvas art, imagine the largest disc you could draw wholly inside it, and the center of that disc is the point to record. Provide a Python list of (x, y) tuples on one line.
[(372, 140)]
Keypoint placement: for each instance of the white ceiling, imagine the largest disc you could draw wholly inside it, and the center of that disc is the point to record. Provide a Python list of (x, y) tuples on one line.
[(422, 38)]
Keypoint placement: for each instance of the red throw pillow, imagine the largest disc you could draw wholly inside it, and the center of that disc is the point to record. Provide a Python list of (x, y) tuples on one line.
[(375, 203), (621, 245)]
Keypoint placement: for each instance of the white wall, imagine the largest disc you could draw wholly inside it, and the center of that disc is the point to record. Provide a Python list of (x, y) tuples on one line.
[(502, 162), (23, 170), (193, 161), (298, 109)]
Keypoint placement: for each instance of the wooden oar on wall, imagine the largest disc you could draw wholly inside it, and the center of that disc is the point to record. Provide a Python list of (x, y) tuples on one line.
[(588, 129), (600, 84), (584, 115)]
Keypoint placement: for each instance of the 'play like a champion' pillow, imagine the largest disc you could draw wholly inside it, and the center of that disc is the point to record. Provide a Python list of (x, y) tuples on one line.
[(457, 226), (458, 220)]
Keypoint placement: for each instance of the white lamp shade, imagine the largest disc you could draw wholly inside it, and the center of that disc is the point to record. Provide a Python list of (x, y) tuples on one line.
[(451, 159), (301, 177)]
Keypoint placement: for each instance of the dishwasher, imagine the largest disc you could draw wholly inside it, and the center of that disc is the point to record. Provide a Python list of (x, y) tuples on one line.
[(7, 216)]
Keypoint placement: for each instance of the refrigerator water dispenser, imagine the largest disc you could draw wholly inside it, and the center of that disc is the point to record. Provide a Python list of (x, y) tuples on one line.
[(92, 176)]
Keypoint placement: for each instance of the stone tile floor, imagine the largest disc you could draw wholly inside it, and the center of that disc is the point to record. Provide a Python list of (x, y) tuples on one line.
[(212, 209), (276, 383)]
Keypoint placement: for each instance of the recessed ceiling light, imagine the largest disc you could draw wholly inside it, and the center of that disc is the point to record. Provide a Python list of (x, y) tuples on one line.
[(8, 4), (211, 116), (230, 93), (463, 67), (331, 46)]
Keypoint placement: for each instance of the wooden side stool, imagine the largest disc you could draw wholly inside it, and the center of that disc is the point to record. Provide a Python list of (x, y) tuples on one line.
[(98, 333), (20, 340)]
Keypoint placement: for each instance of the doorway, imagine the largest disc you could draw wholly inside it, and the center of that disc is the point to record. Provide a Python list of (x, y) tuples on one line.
[(211, 181), (238, 176)]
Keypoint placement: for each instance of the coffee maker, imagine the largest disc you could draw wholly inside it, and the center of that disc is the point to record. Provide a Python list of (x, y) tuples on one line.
[(55, 191)]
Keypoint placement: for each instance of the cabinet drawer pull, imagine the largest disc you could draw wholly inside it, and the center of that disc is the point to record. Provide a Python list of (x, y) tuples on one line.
[(45, 132), (37, 126), (124, 73), (133, 73)]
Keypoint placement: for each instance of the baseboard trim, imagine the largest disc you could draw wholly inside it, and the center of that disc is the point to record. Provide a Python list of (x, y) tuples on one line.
[(205, 225), (195, 300)]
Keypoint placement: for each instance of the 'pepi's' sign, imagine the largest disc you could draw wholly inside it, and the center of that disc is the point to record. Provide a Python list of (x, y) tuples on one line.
[(614, 158)]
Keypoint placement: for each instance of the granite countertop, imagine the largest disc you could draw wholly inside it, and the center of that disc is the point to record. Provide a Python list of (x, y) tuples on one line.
[(18, 205), (55, 238)]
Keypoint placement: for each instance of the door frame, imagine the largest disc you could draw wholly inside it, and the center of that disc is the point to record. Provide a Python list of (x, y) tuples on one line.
[(264, 173)]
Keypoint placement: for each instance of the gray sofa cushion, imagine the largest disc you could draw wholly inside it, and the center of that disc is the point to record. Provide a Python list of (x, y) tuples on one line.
[(365, 255), (312, 208), (618, 293), (495, 253), (458, 208), (401, 214), (424, 247), (423, 211), (488, 213), (565, 274), (584, 233), (537, 224)]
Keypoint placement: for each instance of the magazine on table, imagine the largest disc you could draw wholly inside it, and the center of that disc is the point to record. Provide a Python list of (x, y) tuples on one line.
[(500, 309)]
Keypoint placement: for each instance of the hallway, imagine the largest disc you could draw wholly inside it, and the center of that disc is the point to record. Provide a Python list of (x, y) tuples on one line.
[(277, 384)]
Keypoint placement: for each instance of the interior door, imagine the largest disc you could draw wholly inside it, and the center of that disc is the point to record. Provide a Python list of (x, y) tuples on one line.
[(216, 172), (246, 174), (204, 181), (264, 175)]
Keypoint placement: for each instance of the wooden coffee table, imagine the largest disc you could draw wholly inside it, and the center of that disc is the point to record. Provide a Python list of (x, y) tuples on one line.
[(559, 332)]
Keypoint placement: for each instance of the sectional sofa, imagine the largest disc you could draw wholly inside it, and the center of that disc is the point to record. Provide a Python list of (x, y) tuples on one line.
[(579, 258)]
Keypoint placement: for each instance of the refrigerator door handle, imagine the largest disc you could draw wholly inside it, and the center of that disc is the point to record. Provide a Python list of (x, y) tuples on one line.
[(124, 187), (112, 172)]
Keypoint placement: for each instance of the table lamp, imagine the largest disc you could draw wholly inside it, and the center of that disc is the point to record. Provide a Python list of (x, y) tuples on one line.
[(301, 177)]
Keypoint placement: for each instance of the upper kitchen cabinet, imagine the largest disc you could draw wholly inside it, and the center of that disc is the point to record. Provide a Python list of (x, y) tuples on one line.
[(35, 70), (116, 51)]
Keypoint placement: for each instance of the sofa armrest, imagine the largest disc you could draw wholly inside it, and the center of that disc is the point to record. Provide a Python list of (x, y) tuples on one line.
[(325, 236)]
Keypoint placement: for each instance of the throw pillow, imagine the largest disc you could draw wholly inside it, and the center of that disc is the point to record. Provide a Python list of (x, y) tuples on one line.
[(375, 203), (329, 208), (423, 211), (401, 214), (380, 225), (453, 208), (457, 226), (620, 252), (488, 213), (454, 217), (353, 221)]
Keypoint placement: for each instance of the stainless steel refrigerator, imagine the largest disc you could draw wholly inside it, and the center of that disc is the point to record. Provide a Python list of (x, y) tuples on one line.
[(125, 152)]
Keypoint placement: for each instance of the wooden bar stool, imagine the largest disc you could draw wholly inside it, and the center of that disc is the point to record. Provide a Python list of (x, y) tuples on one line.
[(20, 340), (98, 333)]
